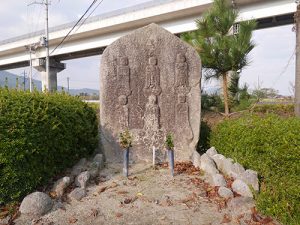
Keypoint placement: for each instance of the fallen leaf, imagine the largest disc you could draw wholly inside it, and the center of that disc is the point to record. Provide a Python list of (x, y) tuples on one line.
[(4, 214), (72, 220), (226, 219), (129, 200), (52, 194), (118, 215), (122, 192), (102, 189), (94, 212)]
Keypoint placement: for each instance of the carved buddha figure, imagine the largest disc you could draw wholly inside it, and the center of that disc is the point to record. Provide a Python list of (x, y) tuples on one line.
[(181, 71), (182, 116), (123, 74), (152, 85), (152, 114)]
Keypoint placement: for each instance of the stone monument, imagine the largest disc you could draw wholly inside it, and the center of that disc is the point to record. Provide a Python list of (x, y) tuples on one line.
[(150, 85)]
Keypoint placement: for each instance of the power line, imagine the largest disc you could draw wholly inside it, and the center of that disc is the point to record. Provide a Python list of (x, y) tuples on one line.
[(89, 15), (285, 68), (91, 5)]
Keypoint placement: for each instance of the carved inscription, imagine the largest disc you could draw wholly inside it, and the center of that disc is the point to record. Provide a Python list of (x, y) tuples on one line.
[(123, 75)]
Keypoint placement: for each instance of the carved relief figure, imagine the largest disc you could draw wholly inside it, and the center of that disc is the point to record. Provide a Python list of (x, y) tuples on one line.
[(152, 114), (152, 86), (182, 116), (123, 76), (123, 112), (181, 71)]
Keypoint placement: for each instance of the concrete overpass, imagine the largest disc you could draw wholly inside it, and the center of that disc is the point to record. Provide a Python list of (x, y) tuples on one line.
[(177, 16)]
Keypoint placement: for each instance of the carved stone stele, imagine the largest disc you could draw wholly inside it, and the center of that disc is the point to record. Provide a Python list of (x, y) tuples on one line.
[(150, 84)]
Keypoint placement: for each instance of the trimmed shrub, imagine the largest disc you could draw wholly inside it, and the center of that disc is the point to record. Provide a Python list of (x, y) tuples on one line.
[(274, 108), (271, 146), (40, 136)]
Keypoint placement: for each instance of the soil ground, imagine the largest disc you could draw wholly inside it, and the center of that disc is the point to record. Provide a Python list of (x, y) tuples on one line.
[(148, 196)]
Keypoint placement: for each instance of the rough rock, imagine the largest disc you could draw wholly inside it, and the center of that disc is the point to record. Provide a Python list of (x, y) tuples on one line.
[(99, 159), (196, 159), (208, 165), (225, 192), (94, 169), (36, 204), (78, 168), (241, 188), (78, 194), (150, 84), (60, 186), (240, 205), (211, 152), (226, 166), (219, 160), (250, 177), (218, 180), (82, 179), (236, 170)]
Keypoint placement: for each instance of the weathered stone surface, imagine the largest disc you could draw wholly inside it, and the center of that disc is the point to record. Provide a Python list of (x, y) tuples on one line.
[(78, 194), (226, 166), (36, 204), (218, 180), (99, 159), (94, 169), (250, 177), (208, 165), (236, 170), (219, 160), (150, 84), (78, 168), (211, 152), (225, 192), (82, 179), (240, 205), (241, 188), (196, 159), (60, 186)]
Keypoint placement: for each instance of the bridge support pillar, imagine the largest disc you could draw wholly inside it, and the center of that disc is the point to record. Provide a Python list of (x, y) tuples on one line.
[(297, 78), (49, 83)]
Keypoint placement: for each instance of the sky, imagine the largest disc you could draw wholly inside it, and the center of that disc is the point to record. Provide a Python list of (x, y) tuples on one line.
[(272, 62)]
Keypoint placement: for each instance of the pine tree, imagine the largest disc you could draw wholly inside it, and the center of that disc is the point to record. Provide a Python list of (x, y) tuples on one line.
[(220, 48)]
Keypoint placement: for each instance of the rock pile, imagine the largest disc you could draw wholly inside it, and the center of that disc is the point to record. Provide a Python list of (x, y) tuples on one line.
[(238, 191), (38, 203), (216, 166)]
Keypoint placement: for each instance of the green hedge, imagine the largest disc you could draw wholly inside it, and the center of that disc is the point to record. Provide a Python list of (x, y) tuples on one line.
[(40, 136), (271, 146), (275, 108)]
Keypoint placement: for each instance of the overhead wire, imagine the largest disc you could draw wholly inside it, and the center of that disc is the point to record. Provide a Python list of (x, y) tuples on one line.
[(67, 35), (285, 67)]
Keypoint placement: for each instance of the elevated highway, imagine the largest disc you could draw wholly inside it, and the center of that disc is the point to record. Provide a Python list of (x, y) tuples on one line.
[(177, 16)]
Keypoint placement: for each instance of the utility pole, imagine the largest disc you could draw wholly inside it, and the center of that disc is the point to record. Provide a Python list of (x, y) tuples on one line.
[(297, 78), (46, 38), (47, 41), (68, 80)]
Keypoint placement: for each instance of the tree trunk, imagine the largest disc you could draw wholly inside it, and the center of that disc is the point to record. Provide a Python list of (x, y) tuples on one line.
[(225, 93)]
